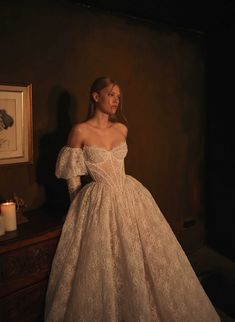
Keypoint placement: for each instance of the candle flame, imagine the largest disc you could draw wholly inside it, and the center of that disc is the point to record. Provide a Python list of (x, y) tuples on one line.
[(7, 203)]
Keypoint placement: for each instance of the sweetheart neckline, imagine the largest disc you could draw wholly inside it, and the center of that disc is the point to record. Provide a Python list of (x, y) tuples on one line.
[(85, 146)]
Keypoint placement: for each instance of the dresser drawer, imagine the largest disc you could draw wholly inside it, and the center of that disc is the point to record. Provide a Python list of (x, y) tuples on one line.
[(25, 266), (26, 305)]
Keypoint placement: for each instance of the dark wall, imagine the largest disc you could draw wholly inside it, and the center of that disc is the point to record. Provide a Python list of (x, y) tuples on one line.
[(61, 49), (220, 141)]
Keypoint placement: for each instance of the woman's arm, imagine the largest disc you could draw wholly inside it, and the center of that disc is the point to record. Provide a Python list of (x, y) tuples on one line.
[(74, 186), (75, 140)]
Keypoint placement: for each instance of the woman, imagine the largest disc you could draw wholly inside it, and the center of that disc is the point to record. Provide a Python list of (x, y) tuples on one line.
[(117, 259)]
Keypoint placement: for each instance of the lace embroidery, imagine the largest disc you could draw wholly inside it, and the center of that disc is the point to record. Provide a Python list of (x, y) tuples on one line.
[(70, 163), (117, 259)]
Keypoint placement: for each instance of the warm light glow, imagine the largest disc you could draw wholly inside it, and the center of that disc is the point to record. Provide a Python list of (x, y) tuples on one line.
[(7, 203)]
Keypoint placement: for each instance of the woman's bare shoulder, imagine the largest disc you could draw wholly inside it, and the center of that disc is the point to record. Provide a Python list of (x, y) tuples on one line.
[(80, 126), (77, 134), (121, 127)]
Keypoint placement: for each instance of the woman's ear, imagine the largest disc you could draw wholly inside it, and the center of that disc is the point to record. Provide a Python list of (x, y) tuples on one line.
[(95, 96)]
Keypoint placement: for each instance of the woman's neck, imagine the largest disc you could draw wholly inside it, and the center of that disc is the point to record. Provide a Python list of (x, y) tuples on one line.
[(100, 120)]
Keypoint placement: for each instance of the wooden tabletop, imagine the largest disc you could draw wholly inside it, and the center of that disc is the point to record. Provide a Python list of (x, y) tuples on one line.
[(41, 225)]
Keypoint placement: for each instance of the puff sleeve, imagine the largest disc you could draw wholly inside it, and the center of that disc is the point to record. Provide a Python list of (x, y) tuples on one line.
[(70, 163)]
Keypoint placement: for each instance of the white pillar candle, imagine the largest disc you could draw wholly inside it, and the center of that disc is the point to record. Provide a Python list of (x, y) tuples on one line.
[(2, 225), (8, 210)]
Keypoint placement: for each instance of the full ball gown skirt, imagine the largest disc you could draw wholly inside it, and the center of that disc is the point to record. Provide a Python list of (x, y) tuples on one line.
[(118, 259)]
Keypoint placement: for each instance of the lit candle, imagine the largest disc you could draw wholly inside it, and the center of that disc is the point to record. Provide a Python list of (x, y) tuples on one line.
[(8, 210), (2, 225)]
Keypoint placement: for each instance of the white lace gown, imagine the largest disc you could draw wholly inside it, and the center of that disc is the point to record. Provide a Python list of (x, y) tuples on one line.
[(118, 259)]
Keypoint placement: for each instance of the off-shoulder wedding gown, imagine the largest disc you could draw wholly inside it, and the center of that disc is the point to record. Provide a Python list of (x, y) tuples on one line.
[(118, 260)]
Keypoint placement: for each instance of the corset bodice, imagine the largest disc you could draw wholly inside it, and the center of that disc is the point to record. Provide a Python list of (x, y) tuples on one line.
[(106, 166)]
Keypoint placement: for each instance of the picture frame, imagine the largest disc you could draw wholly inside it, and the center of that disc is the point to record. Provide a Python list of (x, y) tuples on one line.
[(16, 141)]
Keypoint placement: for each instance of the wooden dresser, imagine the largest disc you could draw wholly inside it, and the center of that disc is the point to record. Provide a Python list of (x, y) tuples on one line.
[(25, 262)]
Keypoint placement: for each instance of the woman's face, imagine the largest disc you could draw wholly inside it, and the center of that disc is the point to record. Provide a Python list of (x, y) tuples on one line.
[(108, 99)]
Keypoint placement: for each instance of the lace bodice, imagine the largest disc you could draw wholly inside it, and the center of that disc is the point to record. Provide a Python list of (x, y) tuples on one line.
[(104, 166)]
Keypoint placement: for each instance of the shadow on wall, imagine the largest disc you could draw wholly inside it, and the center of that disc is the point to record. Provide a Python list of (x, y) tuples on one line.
[(220, 142), (64, 106)]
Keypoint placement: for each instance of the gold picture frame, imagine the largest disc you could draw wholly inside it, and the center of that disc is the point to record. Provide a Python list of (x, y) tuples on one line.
[(16, 142)]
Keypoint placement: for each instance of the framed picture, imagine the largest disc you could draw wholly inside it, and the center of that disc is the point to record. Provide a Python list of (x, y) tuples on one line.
[(15, 124)]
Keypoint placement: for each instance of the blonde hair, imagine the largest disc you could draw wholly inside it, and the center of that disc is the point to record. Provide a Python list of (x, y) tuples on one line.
[(97, 86)]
